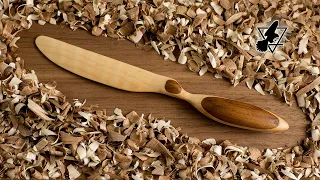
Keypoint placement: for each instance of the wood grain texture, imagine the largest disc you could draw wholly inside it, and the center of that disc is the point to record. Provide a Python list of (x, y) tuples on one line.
[(240, 113), (99, 68), (180, 113), (173, 87)]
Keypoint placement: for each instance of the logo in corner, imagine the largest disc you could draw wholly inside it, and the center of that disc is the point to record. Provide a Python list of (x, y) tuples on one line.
[(271, 39)]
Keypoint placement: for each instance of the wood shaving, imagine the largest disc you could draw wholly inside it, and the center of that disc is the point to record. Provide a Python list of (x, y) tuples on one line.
[(38, 110), (45, 137)]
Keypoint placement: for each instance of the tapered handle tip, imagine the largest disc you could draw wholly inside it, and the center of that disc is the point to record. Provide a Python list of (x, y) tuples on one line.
[(40, 39), (282, 126)]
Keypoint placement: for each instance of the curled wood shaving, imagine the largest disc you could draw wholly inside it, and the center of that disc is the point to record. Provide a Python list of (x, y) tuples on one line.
[(309, 87), (235, 17), (155, 145), (67, 138), (73, 173), (41, 144), (38, 110)]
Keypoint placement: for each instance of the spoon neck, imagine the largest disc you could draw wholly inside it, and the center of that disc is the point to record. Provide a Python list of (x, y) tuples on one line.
[(183, 94)]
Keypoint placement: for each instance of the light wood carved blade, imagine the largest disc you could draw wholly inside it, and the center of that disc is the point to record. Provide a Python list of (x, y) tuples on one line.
[(100, 68)]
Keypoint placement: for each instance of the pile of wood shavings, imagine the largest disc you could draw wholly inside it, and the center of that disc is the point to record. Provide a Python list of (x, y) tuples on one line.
[(43, 136)]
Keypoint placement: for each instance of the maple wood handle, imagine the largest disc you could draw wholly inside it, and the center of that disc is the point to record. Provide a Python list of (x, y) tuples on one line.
[(229, 112)]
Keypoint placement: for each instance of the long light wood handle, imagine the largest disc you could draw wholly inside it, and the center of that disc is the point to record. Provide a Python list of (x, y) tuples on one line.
[(123, 76), (100, 68)]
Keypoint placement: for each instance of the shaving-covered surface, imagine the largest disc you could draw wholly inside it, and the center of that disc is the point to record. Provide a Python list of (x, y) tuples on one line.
[(43, 136), (79, 142)]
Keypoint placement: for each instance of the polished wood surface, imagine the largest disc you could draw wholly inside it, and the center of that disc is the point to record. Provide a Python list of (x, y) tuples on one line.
[(242, 114), (124, 76), (180, 113), (173, 87), (100, 68)]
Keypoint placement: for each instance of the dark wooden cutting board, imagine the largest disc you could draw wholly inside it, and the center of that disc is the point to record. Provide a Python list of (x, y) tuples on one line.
[(179, 112)]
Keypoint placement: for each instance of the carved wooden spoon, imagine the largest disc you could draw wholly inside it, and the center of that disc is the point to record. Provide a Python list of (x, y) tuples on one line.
[(123, 76)]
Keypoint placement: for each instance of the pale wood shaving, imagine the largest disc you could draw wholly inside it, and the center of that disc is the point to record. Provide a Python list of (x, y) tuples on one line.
[(38, 110), (309, 87)]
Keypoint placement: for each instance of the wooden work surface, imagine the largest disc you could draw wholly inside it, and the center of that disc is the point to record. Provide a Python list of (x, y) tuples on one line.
[(179, 112)]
